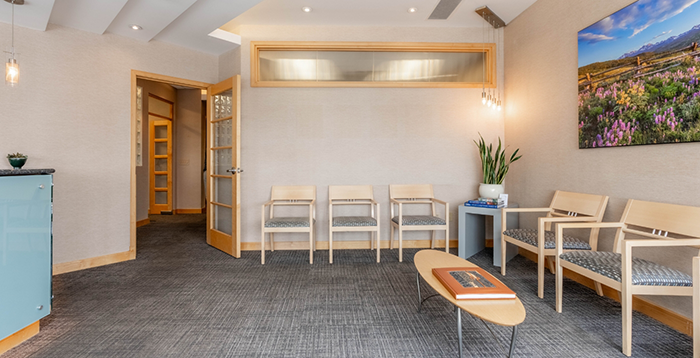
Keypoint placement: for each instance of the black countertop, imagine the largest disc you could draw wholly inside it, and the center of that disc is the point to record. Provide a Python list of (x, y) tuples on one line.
[(9, 172)]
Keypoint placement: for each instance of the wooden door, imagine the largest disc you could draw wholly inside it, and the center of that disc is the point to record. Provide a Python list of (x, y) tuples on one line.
[(223, 166), (161, 138)]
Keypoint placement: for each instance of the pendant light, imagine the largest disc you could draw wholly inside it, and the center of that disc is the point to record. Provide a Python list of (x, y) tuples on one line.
[(492, 99), (12, 67), (483, 64)]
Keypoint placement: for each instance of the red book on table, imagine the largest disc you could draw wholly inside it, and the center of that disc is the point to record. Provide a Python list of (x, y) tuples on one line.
[(472, 283)]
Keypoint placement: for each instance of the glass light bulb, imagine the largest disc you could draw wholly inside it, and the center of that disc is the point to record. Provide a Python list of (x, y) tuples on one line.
[(483, 97), (499, 105), (489, 102), (12, 73)]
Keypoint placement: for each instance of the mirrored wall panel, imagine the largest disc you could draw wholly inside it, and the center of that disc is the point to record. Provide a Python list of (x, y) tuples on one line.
[(373, 65)]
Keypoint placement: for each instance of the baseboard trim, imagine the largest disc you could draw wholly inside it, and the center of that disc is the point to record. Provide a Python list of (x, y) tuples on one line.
[(18, 337), (188, 211), (670, 318), (143, 222), (91, 262), (344, 245)]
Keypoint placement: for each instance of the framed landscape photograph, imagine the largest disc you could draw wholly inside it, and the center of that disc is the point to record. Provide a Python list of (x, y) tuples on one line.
[(639, 76)]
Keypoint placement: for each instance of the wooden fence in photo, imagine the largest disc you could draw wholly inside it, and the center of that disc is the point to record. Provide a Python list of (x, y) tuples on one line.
[(640, 67)]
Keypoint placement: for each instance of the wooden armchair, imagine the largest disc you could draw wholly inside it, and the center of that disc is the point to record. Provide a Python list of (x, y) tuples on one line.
[(353, 195), (661, 225), (286, 196), (401, 195), (565, 207)]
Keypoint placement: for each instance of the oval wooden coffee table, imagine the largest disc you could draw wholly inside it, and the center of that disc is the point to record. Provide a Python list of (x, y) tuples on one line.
[(508, 313)]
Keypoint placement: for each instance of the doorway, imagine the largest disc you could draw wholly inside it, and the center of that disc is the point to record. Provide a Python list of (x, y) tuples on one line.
[(158, 166)]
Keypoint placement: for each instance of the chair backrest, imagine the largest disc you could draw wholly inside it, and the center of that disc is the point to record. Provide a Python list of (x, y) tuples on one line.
[(659, 221), (350, 192), (577, 204), (418, 191), (298, 192)]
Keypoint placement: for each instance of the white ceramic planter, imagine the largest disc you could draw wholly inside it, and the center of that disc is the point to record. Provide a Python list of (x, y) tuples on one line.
[(491, 191)]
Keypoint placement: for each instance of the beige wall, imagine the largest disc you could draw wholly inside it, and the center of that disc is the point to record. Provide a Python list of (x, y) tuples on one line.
[(342, 136), (541, 115), (187, 147), (230, 64), (71, 112), (143, 174)]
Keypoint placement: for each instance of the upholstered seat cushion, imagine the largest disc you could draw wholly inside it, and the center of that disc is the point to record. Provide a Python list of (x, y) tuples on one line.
[(529, 236), (287, 222), (354, 221), (646, 273), (419, 220)]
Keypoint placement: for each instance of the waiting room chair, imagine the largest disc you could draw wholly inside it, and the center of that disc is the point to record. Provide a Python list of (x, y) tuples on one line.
[(290, 196), (404, 195), (353, 195), (648, 225), (565, 207)]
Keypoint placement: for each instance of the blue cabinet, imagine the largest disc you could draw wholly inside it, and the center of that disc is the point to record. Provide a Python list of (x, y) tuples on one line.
[(25, 250)]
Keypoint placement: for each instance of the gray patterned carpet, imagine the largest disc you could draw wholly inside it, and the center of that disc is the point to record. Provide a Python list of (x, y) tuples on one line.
[(182, 298)]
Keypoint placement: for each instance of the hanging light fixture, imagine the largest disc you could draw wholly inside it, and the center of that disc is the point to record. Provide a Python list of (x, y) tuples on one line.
[(483, 63), (12, 67), (493, 98)]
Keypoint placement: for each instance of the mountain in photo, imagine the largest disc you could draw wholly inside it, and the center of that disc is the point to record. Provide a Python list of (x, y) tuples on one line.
[(670, 44)]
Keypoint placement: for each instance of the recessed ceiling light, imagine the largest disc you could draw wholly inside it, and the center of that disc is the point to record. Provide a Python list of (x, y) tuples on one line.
[(306, 9), (136, 27), (412, 9)]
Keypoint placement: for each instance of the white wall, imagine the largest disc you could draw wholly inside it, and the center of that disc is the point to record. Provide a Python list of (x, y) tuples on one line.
[(342, 136), (541, 119), (71, 112)]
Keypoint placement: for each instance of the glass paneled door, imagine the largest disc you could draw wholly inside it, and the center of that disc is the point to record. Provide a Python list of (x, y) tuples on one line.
[(223, 163)]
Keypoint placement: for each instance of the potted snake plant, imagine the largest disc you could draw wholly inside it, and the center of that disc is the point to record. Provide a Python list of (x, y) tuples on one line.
[(494, 166)]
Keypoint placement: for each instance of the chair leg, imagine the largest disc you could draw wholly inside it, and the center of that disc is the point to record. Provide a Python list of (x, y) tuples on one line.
[(371, 240), (598, 288), (400, 245), (560, 285), (330, 245), (262, 248), (272, 242), (447, 239), (432, 241), (504, 246), (540, 273), (311, 246), (391, 239), (550, 264), (377, 245), (627, 323), (315, 237)]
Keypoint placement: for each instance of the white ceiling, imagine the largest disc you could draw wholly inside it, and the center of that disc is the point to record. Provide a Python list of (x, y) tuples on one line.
[(187, 23), (372, 13)]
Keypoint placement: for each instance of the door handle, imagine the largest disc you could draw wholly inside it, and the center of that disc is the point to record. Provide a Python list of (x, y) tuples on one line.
[(235, 171)]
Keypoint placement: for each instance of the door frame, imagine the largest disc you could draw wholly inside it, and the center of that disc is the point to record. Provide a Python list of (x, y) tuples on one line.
[(135, 76)]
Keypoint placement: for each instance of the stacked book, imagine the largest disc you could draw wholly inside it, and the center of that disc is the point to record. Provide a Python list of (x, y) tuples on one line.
[(486, 203)]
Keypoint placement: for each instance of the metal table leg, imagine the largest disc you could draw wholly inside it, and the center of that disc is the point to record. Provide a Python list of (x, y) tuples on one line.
[(459, 329), (420, 302), (512, 341)]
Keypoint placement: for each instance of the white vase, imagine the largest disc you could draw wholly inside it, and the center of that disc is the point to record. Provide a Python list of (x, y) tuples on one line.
[(491, 191)]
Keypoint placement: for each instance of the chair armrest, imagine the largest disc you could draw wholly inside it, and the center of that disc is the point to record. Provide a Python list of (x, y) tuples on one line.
[(567, 219), (587, 225), (438, 201), (526, 210), (660, 242)]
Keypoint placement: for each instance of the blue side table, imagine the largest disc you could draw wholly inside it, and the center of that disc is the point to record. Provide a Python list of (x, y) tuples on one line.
[(472, 228)]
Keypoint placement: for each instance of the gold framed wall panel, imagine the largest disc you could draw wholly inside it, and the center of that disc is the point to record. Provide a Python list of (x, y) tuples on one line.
[(489, 49)]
